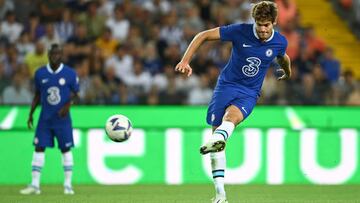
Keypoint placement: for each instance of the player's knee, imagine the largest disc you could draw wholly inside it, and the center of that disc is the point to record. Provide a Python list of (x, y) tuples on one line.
[(235, 119), (233, 114), (39, 149)]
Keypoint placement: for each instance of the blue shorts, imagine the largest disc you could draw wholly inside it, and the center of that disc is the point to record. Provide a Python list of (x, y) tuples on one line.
[(45, 134), (223, 98)]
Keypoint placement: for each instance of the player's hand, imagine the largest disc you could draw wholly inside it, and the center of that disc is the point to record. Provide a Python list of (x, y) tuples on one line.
[(64, 111), (183, 67), (30, 122), (282, 74)]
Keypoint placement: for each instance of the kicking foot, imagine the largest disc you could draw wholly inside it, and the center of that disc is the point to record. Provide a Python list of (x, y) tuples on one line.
[(30, 190), (219, 199), (213, 146), (68, 190)]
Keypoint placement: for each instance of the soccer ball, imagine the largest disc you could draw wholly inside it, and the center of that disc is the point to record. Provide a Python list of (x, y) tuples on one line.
[(118, 128)]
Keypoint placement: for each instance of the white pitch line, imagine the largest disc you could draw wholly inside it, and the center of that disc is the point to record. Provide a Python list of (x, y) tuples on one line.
[(295, 120), (9, 119)]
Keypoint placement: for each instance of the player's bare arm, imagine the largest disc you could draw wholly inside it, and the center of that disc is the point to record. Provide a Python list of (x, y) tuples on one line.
[(285, 64), (66, 108), (35, 102), (207, 35)]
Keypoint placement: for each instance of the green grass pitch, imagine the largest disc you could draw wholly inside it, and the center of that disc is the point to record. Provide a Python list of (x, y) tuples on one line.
[(187, 194)]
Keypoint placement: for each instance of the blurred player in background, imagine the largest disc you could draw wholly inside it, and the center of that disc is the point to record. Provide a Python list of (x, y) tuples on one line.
[(56, 85), (254, 47)]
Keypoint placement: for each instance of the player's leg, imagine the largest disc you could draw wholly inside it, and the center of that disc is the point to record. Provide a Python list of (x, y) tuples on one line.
[(232, 117), (36, 165), (65, 140), (43, 138), (218, 158), (68, 163)]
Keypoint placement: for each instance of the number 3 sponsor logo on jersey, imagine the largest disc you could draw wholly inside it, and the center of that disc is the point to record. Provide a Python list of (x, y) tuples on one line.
[(54, 95), (252, 68)]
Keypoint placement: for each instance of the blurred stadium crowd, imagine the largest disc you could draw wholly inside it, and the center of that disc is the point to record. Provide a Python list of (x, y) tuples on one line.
[(125, 51)]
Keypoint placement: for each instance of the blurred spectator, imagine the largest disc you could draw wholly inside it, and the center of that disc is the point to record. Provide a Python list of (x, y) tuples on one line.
[(185, 84), (316, 88), (139, 83), (4, 80), (293, 39), (24, 45), (157, 6), (102, 93), (36, 59), (111, 81), (106, 43), (122, 61), (51, 10), (161, 80), (65, 27), (193, 20), (5, 6), (287, 11), (200, 94), (314, 44), (245, 14), (50, 37), (331, 66), (269, 88), (205, 10), (212, 73), (78, 46), (17, 93), (94, 23), (344, 87), (153, 97), (201, 62), (171, 32), (106, 8), (151, 60), (303, 63), (119, 25), (354, 97), (34, 27), (294, 86), (10, 28), (23, 8), (11, 60), (171, 95), (82, 69)]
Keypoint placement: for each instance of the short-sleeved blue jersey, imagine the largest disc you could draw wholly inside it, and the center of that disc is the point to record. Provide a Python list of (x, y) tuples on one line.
[(55, 91), (250, 58)]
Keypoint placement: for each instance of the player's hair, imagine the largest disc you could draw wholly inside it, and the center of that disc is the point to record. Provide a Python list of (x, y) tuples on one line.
[(264, 11), (54, 46)]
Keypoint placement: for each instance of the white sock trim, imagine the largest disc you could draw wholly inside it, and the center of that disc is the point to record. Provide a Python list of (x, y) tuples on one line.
[(224, 131)]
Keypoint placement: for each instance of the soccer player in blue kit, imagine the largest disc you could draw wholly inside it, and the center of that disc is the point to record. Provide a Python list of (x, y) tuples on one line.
[(55, 86), (254, 47)]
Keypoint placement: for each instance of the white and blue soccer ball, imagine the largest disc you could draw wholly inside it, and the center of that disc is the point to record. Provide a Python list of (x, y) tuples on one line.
[(118, 128)]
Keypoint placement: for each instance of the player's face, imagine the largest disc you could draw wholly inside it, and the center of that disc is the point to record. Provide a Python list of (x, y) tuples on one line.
[(264, 29), (55, 56)]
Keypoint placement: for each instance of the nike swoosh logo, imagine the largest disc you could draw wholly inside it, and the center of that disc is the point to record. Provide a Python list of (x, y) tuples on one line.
[(247, 45), (243, 108)]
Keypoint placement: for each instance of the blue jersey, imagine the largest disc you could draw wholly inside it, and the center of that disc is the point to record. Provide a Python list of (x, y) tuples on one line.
[(55, 91), (250, 58)]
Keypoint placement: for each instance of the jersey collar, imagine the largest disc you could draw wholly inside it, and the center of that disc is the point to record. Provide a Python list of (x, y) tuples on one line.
[(257, 37), (57, 71)]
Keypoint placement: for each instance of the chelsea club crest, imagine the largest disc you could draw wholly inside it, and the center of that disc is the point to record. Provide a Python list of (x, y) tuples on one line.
[(268, 52)]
